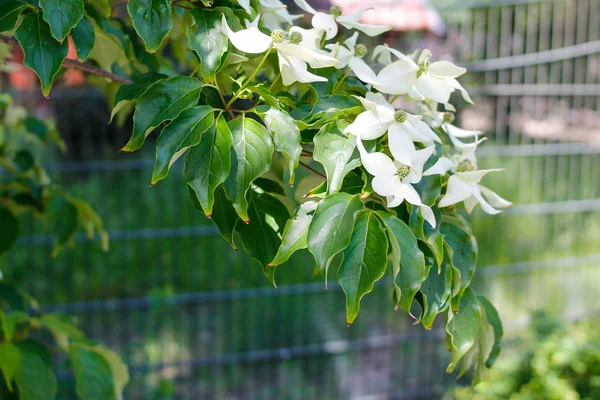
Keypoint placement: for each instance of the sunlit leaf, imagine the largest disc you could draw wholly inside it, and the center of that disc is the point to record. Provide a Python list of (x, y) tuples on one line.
[(152, 20), (208, 41), (295, 234)]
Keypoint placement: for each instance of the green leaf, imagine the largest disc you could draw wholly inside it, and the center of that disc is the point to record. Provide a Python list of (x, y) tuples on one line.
[(435, 293), (463, 255), (62, 329), (152, 20), (250, 158), (331, 228), (286, 136), (492, 318), (163, 101), (295, 234), (131, 92), (364, 261), (329, 109), (207, 40), (35, 379), (429, 189), (408, 261), (118, 368), (435, 242), (62, 16), (462, 328), (261, 237), (223, 215), (182, 133), (207, 165), (93, 375), (103, 6), (83, 37), (337, 152), (10, 229), (9, 14), (63, 221), (91, 222), (10, 362), (107, 50), (43, 54)]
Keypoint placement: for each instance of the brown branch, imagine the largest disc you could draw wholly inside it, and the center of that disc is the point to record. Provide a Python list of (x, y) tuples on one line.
[(312, 170), (94, 70)]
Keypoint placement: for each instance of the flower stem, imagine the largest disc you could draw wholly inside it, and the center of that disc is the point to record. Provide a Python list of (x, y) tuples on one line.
[(275, 81), (339, 83), (239, 92)]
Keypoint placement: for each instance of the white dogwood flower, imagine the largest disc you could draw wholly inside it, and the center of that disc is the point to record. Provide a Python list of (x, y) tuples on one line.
[(421, 79), (351, 55), (275, 14), (328, 22), (394, 178), (381, 117), (295, 49)]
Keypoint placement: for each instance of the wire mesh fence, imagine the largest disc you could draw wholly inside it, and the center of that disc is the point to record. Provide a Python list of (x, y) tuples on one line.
[(194, 319)]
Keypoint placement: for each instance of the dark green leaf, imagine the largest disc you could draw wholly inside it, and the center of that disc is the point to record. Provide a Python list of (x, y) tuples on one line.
[(35, 379), (9, 231), (429, 189), (364, 261), (492, 318), (93, 375), (62, 329), (9, 14), (250, 158), (182, 133), (152, 20), (435, 293), (408, 261), (463, 255), (462, 328), (10, 362), (295, 234), (62, 16), (223, 215), (24, 160), (286, 136), (84, 38), (37, 127), (103, 6), (43, 54), (207, 165), (132, 91), (63, 220), (337, 152), (208, 41), (163, 101), (118, 368), (269, 186), (353, 184), (331, 228)]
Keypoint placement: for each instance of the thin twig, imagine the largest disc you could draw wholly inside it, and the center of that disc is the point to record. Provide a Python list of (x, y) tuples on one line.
[(94, 71), (312, 170)]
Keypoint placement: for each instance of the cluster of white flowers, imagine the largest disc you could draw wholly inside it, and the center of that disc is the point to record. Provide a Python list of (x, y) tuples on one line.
[(421, 83)]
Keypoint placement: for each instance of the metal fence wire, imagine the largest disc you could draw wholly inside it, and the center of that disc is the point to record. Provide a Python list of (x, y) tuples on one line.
[(196, 320)]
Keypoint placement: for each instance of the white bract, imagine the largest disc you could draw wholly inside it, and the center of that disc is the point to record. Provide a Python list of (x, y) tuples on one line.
[(275, 14), (351, 55), (295, 50), (381, 117), (328, 22), (421, 80), (394, 178)]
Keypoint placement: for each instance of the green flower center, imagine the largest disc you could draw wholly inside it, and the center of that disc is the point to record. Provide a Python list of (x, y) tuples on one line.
[(336, 11), (360, 50), (465, 166), (400, 116), (403, 171), (296, 37), (448, 117), (278, 35)]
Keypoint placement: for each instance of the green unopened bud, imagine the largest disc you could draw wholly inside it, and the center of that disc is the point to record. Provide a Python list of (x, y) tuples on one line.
[(336, 11), (465, 166), (448, 117), (278, 35), (360, 50), (400, 116), (296, 37), (403, 171)]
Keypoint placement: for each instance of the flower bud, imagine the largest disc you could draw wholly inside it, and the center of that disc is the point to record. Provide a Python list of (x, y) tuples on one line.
[(465, 166), (278, 35), (403, 171), (400, 116), (336, 11), (295, 37), (360, 50)]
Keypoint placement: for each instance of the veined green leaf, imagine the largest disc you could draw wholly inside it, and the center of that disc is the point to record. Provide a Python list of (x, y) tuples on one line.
[(207, 165), (108, 49), (435, 293), (103, 6), (223, 215), (331, 228), (63, 221), (337, 152), (463, 256), (364, 261), (91, 222), (9, 231), (182, 133), (207, 40), (62, 16), (118, 368), (163, 101), (353, 184), (9, 14), (62, 330), (10, 362), (250, 158), (35, 379), (463, 327), (295, 234), (84, 38), (286, 136), (43, 54), (408, 261), (152, 20), (492, 318), (131, 92), (261, 237), (93, 374)]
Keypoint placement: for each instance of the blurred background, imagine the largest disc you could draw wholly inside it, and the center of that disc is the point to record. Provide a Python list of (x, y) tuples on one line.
[(196, 320)]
